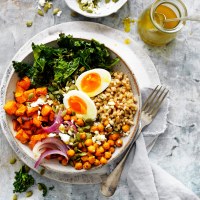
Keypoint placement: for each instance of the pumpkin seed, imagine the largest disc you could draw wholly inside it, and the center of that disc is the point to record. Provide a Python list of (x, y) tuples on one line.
[(29, 194), (30, 96), (40, 12), (15, 197), (29, 23), (13, 161)]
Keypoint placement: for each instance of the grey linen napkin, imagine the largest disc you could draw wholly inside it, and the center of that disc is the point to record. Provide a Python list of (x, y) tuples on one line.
[(146, 180)]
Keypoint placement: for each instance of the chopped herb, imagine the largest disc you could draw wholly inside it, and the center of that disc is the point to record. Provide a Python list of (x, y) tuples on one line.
[(42, 187), (23, 180), (51, 188)]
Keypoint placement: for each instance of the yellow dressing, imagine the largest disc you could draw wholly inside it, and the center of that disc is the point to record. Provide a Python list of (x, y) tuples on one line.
[(169, 14)]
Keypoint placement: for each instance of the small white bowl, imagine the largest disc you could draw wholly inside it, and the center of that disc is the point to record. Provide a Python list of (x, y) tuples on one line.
[(103, 10)]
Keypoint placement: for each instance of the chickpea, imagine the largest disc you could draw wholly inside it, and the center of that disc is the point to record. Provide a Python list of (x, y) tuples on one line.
[(98, 152), (97, 162), (74, 118), (126, 128), (67, 117), (88, 142), (84, 158), (112, 150), (91, 149), (100, 127), (109, 129), (80, 145), (96, 145), (83, 136), (114, 136), (93, 129), (119, 143), (106, 122), (103, 161), (111, 142), (101, 149), (70, 152), (91, 159), (84, 149), (60, 158), (69, 111), (80, 122), (108, 155), (87, 165), (106, 145), (64, 161), (78, 166)]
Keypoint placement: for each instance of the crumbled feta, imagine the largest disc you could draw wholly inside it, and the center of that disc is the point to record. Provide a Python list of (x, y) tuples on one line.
[(59, 13), (96, 132), (64, 137), (51, 135), (98, 139), (70, 132), (50, 102), (42, 2), (40, 101)]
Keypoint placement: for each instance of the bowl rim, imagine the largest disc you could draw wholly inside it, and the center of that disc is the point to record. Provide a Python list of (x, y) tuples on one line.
[(23, 155), (119, 4)]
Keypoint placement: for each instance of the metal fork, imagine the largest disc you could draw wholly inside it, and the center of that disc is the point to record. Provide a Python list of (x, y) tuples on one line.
[(149, 111)]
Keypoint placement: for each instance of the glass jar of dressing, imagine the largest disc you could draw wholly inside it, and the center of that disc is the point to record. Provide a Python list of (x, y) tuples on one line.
[(152, 27)]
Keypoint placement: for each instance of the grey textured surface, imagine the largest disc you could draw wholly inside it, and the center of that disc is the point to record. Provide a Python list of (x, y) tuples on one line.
[(177, 150)]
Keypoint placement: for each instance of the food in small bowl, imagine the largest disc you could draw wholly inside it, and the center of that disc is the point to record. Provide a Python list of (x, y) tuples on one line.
[(72, 104), (95, 8)]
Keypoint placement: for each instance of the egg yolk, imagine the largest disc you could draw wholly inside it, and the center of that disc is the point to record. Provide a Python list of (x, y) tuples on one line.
[(90, 82), (77, 105)]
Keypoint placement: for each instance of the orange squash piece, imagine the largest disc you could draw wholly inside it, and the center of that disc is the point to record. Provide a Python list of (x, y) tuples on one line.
[(16, 125), (46, 109), (36, 138), (21, 110), (32, 110), (41, 91), (30, 95), (22, 136), (24, 83), (10, 107)]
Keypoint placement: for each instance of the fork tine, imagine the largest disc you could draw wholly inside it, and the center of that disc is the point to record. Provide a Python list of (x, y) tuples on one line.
[(156, 100), (156, 106), (150, 99)]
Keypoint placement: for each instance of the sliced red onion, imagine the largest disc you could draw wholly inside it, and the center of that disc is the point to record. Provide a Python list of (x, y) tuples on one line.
[(51, 143), (47, 153), (54, 128)]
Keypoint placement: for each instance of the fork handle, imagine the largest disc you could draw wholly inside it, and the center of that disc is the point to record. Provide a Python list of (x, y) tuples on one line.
[(109, 186)]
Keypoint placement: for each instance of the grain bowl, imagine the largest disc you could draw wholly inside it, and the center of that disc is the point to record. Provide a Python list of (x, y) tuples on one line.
[(79, 123)]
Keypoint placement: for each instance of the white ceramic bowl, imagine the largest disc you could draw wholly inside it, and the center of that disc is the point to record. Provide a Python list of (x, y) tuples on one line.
[(103, 10), (53, 168)]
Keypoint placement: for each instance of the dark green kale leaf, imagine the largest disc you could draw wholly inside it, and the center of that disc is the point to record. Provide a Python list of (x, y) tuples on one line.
[(63, 69), (23, 180), (54, 66), (22, 69)]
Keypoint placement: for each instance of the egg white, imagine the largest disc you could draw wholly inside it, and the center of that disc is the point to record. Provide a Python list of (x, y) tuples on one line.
[(105, 81), (91, 112)]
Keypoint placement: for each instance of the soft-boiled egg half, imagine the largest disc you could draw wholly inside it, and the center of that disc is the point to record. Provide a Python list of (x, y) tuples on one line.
[(93, 82), (81, 104)]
